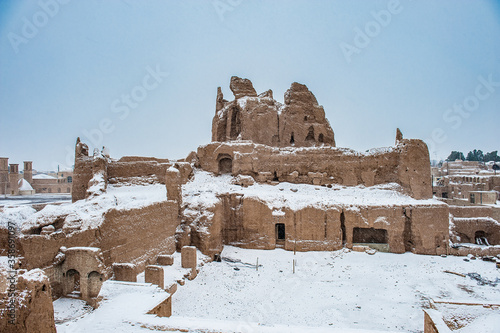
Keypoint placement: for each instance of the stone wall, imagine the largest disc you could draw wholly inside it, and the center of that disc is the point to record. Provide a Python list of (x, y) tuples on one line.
[(406, 164)]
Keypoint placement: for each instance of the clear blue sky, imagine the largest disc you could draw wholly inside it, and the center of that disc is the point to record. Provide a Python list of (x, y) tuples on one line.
[(66, 70)]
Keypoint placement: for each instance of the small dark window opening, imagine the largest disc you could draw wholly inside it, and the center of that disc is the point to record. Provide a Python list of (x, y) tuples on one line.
[(321, 138), (275, 178), (444, 195), (235, 123), (292, 139), (310, 134), (369, 235), (280, 231), (225, 164), (342, 228)]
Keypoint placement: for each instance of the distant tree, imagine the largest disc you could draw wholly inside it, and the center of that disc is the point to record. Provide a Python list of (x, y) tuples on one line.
[(492, 156), (475, 155), (456, 155)]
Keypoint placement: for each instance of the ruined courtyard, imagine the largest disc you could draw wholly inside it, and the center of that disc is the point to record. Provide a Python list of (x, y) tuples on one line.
[(271, 185)]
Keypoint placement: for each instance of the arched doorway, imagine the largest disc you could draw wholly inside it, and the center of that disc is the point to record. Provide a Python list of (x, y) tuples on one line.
[(72, 283), (94, 283), (310, 135), (480, 237), (225, 164)]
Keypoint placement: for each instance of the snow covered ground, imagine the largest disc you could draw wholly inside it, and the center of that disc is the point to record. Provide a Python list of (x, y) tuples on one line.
[(330, 292), (16, 200)]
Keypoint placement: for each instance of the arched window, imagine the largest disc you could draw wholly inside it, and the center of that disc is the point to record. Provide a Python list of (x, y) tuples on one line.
[(310, 135), (225, 164)]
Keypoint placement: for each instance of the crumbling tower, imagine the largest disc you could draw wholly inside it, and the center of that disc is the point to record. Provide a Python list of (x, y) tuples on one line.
[(14, 179), (4, 175), (300, 122), (28, 171)]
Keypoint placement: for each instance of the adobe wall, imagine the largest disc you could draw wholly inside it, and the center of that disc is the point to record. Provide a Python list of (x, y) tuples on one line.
[(138, 236), (299, 122), (466, 229), (471, 211), (124, 170), (430, 229), (406, 164), (250, 223), (34, 311), (475, 211), (127, 169), (133, 236)]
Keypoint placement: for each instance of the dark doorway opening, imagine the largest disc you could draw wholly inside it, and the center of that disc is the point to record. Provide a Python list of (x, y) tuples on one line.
[(292, 139), (321, 138), (310, 135), (73, 281), (480, 237), (342, 228), (369, 235), (94, 283), (225, 164), (275, 177), (235, 124), (280, 231), (407, 232)]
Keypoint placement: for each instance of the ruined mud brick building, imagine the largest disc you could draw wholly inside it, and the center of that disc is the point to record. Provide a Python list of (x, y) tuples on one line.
[(255, 135), (257, 143)]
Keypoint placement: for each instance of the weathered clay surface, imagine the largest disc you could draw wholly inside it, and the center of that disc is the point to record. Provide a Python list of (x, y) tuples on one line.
[(34, 311), (250, 223), (406, 164), (300, 122)]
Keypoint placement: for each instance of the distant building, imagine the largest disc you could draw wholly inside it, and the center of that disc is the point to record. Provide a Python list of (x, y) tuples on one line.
[(13, 182), (457, 180), (25, 188), (56, 182)]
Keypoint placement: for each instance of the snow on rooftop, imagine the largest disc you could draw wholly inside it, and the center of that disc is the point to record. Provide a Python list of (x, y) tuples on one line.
[(203, 189), (88, 213), (24, 185)]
